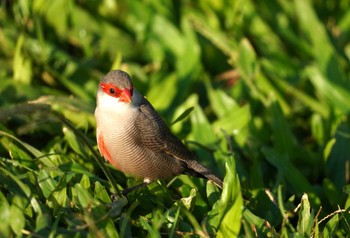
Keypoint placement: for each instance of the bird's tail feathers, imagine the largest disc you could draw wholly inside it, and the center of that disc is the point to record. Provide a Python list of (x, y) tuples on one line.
[(198, 170)]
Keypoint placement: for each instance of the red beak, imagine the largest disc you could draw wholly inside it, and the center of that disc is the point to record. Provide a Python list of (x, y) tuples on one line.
[(125, 96)]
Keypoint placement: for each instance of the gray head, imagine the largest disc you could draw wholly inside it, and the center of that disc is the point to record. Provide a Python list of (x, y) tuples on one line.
[(119, 78), (117, 83)]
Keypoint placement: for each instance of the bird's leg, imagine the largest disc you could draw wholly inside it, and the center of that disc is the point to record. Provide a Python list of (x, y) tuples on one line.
[(137, 186), (129, 190)]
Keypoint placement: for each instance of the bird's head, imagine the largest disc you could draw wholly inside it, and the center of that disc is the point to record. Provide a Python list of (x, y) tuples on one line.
[(117, 84)]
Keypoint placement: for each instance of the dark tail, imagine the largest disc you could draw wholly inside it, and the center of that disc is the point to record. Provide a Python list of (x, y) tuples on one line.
[(196, 169)]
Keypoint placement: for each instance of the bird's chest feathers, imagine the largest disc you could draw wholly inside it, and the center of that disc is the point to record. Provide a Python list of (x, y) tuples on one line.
[(116, 130), (116, 120)]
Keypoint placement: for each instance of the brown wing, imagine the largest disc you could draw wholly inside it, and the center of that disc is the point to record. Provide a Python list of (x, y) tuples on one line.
[(156, 136)]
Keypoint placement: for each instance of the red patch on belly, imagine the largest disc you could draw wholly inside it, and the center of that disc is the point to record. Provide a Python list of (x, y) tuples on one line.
[(104, 151)]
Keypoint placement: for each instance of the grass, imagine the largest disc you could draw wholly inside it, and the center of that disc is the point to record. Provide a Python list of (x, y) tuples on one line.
[(258, 90)]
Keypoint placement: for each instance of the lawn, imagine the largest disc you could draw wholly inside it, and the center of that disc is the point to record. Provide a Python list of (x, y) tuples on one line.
[(258, 90)]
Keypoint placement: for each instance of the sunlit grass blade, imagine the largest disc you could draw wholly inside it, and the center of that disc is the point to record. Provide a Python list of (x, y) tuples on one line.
[(35, 152), (185, 114), (305, 217)]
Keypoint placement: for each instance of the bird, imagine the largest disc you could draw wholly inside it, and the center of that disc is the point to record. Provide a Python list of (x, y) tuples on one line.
[(133, 137)]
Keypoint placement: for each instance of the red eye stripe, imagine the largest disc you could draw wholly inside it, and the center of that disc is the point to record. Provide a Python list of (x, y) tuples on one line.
[(111, 89)]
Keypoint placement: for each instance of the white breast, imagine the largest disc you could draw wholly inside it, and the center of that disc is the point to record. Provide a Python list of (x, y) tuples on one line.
[(116, 121)]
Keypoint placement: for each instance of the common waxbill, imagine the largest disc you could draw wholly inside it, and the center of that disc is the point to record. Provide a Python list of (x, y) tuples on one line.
[(133, 137)]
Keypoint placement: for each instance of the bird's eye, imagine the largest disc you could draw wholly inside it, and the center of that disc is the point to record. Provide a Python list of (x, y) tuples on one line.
[(111, 90)]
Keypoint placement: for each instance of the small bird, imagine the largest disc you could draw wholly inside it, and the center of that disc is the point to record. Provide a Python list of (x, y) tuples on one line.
[(133, 137)]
